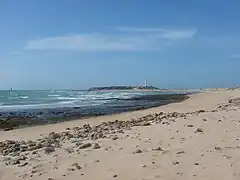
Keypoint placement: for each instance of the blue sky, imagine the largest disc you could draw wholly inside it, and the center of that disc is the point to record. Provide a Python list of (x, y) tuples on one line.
[(76, 44)]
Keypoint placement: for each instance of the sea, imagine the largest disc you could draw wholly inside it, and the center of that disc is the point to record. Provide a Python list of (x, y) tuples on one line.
[(38, 99), (46, 105)]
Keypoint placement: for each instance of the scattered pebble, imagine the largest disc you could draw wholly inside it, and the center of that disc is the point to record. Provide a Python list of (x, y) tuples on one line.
[(8, 129), (115, 137), (22, 164), (158, 149), (179, 173), (137, 151), (115, 175), (180, 152), (69, 150), (96, 146), (13, 162), (78, 143), (34, 152), (175, 163), (198, 130), (76, 165), (71, 169), (143, 124), (84, 146), (49, 143), (49, 150)]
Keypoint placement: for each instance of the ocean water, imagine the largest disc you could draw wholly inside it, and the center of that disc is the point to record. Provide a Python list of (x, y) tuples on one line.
[(26, 108), (33, 99)]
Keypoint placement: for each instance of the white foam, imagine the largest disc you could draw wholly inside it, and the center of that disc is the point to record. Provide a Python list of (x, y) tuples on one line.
[(23, 97), (34, 106), (53, 95), (67, 98)]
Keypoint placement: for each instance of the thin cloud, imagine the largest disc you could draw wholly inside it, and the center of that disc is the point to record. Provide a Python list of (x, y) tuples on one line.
[(186, 34), (147, 41), (126, 29), (15, 53), (162, 33), (235, 56)]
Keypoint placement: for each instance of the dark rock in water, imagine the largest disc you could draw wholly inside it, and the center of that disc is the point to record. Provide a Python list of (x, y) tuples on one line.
[(40, 113), (6, 124)]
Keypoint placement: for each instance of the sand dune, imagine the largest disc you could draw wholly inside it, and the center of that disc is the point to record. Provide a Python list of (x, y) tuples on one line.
[(195, 139)]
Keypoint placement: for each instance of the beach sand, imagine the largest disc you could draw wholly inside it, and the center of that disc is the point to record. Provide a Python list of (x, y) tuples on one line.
[(200, 141)]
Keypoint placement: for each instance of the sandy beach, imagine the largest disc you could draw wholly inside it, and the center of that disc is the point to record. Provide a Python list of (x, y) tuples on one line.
[(198, 138)]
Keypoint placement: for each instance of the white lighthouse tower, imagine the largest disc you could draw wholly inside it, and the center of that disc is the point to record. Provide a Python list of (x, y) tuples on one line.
[(145, 84)]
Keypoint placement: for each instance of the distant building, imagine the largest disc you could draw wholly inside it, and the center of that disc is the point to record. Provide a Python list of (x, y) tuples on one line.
[(146, 83)]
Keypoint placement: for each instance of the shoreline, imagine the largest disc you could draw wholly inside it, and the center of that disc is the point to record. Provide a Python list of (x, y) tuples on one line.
[(93, 120), (10, 120)]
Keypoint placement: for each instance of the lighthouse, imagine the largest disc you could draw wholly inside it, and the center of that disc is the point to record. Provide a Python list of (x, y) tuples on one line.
[(145, 84)]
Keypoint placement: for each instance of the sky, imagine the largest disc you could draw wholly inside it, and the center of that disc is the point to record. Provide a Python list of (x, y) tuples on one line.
[(77, 44)]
